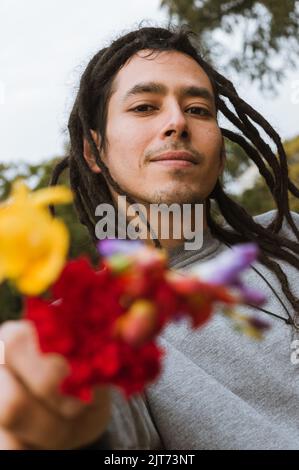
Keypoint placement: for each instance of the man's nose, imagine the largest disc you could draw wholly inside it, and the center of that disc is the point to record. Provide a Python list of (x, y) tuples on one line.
[(175, 125)]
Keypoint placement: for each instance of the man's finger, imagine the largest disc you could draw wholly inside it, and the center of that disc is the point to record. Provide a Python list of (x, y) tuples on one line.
[(27, 419), (41, 373), (9, 442)]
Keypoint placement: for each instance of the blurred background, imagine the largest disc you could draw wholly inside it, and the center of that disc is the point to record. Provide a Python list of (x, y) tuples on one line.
[(46, 45)]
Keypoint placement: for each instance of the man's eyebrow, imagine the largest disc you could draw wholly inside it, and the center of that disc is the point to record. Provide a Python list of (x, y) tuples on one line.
[(161, 89), (146, 87), (198, 92)]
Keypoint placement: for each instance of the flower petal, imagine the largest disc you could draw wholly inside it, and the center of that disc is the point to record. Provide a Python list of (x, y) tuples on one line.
[(45, 270), (111, 247), (226, 267), (252, 296), (53, 195)]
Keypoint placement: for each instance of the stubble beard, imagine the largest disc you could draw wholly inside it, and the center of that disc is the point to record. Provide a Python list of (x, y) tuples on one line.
[(177, 194)]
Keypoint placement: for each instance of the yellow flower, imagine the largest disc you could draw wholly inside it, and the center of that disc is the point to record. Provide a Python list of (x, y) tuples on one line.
[(33, 245)]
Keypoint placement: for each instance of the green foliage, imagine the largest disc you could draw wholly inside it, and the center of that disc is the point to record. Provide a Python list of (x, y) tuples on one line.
[(237, 162), (267, 32), (258, 199), (11, 303)]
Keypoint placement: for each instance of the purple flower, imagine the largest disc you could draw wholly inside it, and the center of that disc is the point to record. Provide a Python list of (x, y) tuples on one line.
[(110, 247), (226, 269), (258, 324), (249, 296)]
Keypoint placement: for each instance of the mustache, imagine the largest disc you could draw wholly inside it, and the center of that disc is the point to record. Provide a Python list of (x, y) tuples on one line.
[(198, 156)]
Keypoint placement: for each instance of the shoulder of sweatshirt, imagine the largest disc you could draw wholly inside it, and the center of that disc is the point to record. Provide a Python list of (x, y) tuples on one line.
[(267, 217)]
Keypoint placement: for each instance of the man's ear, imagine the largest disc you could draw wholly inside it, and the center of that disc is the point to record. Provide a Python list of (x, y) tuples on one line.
[(88, 155)]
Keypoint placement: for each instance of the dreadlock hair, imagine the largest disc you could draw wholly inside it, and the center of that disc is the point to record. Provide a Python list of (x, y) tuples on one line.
[(90, 112)]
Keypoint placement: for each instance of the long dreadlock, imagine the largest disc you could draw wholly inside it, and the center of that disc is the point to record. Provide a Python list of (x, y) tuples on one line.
[(90, 112)]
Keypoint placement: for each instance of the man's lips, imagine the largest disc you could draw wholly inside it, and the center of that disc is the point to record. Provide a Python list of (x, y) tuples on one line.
[(176, 158)]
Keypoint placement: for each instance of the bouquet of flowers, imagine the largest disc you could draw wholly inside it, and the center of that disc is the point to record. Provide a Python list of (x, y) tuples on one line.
[(105, 320)]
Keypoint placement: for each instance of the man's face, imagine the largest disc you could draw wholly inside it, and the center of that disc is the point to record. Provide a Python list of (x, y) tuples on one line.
[(163, 140)]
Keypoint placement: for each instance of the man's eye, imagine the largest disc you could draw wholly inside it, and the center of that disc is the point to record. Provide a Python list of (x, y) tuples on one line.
[(198, 110), (143, 108)]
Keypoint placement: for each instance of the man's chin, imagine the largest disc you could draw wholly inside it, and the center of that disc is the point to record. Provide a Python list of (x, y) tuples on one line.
[(174, 197)]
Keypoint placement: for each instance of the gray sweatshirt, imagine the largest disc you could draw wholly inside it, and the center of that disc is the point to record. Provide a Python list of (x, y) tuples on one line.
[(219, 389)]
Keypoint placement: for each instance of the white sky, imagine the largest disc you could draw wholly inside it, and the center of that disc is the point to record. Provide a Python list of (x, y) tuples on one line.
[(44, 48)]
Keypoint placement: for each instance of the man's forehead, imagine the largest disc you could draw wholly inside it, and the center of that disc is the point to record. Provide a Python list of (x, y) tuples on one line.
[(170, 68)]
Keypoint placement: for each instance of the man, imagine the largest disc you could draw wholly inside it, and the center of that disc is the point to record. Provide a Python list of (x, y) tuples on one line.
[(145, 125)]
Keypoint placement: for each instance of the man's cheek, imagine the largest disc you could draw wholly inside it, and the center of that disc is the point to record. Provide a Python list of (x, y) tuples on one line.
[(214, 133)]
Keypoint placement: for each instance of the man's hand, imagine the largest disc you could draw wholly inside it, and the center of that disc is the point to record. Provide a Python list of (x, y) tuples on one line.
[(33, 413)]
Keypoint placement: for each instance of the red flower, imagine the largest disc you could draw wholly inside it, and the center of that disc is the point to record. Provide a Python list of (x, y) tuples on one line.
[(198, 298), (78, 321)]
